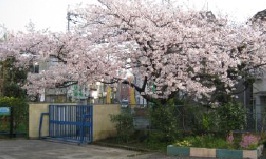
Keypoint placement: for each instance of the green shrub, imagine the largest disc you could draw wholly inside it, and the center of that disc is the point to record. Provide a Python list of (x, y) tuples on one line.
[(206, 141), (20, 112), (124, 126), (232, 141), (231, 116), (164, 120), (218, 120), (209, 141), (201, 119)]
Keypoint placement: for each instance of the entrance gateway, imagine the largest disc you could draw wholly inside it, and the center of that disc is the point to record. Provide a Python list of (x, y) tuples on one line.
[(72, 123)]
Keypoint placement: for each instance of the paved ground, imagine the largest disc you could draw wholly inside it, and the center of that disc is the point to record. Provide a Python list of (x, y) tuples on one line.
[(43, 149), (40, 149)]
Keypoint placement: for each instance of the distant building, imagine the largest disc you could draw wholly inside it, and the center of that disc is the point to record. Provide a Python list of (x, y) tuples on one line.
[(258, 91), (259, 87), (139, 82)]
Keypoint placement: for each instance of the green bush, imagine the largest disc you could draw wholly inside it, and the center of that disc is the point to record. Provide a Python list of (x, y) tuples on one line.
[(231, 117), (201, 120), (206, 141), (124, 126), (20, 112), (232, 141), (164, 120), (218, 120)]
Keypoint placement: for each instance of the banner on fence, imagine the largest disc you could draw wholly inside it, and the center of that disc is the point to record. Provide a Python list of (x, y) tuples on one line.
[(5, 111)]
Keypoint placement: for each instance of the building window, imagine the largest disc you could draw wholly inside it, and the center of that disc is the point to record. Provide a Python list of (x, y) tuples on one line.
[(137, 100), (35, 68)]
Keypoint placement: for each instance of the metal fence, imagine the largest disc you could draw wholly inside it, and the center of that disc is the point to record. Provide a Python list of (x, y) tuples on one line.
[(256, 118), (192, 118), (13, 122), (71, 123)]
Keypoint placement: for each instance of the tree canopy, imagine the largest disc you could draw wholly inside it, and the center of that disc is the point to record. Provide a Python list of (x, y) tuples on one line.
[(170, 48)]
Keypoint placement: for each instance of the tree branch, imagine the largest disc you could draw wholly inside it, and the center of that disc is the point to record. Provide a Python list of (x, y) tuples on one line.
[(65, 84)]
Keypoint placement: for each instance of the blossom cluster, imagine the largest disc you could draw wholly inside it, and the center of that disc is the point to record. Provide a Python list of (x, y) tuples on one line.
[(184, 143), (171, 48), (230, 138), (249, 141)]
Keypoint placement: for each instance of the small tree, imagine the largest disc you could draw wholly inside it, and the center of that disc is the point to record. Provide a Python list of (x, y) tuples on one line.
[(124, 126), (232, 116), (164, 122), (13, 78)]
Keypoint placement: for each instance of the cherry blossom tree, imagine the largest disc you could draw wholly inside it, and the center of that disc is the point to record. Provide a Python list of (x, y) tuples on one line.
[(171, 48)]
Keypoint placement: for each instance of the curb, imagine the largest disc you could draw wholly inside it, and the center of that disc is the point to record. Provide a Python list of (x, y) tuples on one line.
[(122, 147), (214, 153)]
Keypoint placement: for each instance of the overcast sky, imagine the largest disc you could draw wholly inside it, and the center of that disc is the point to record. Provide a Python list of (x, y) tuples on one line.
[(16, 14)]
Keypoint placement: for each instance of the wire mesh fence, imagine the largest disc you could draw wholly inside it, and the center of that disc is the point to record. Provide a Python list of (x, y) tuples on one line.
[(196, 118)]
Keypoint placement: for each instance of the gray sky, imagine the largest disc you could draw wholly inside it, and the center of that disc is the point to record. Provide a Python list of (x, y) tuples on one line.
[(16, 14)]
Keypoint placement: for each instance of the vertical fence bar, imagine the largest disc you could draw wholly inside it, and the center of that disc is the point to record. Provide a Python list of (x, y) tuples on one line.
[(91, 123), (50, 119), (71, 119), (82, 124), (50, 128), (11, 122), (77, 120), (256, 120)]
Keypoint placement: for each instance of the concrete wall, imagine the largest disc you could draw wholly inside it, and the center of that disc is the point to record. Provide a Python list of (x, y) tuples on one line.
[(102, 126), (35, 111)]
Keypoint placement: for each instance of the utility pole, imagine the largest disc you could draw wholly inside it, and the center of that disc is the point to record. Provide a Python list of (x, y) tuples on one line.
[(68, 20), (69, 14)]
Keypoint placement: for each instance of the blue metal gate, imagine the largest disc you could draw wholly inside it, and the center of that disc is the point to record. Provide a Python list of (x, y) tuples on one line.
[(71, 123)]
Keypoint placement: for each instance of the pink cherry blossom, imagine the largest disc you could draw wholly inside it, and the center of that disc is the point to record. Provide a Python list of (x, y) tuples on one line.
[(165, 45)]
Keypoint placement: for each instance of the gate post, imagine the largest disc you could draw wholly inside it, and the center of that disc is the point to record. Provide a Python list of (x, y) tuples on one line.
[(11, 130), (82, 129)]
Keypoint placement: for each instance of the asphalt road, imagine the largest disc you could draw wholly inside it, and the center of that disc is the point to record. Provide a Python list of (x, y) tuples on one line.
[(42, 149), (39, 149)]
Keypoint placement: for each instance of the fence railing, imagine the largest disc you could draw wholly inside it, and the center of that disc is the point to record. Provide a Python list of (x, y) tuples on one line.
[(192, 117), (12, 124)]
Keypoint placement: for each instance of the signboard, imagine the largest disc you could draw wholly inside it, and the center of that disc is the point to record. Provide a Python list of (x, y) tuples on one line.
[(5, 111), (79, 92), (56, 91)]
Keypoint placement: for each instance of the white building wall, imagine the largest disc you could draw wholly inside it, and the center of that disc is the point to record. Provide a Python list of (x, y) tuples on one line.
[(259, 93), (139, 82), (260, 84)]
